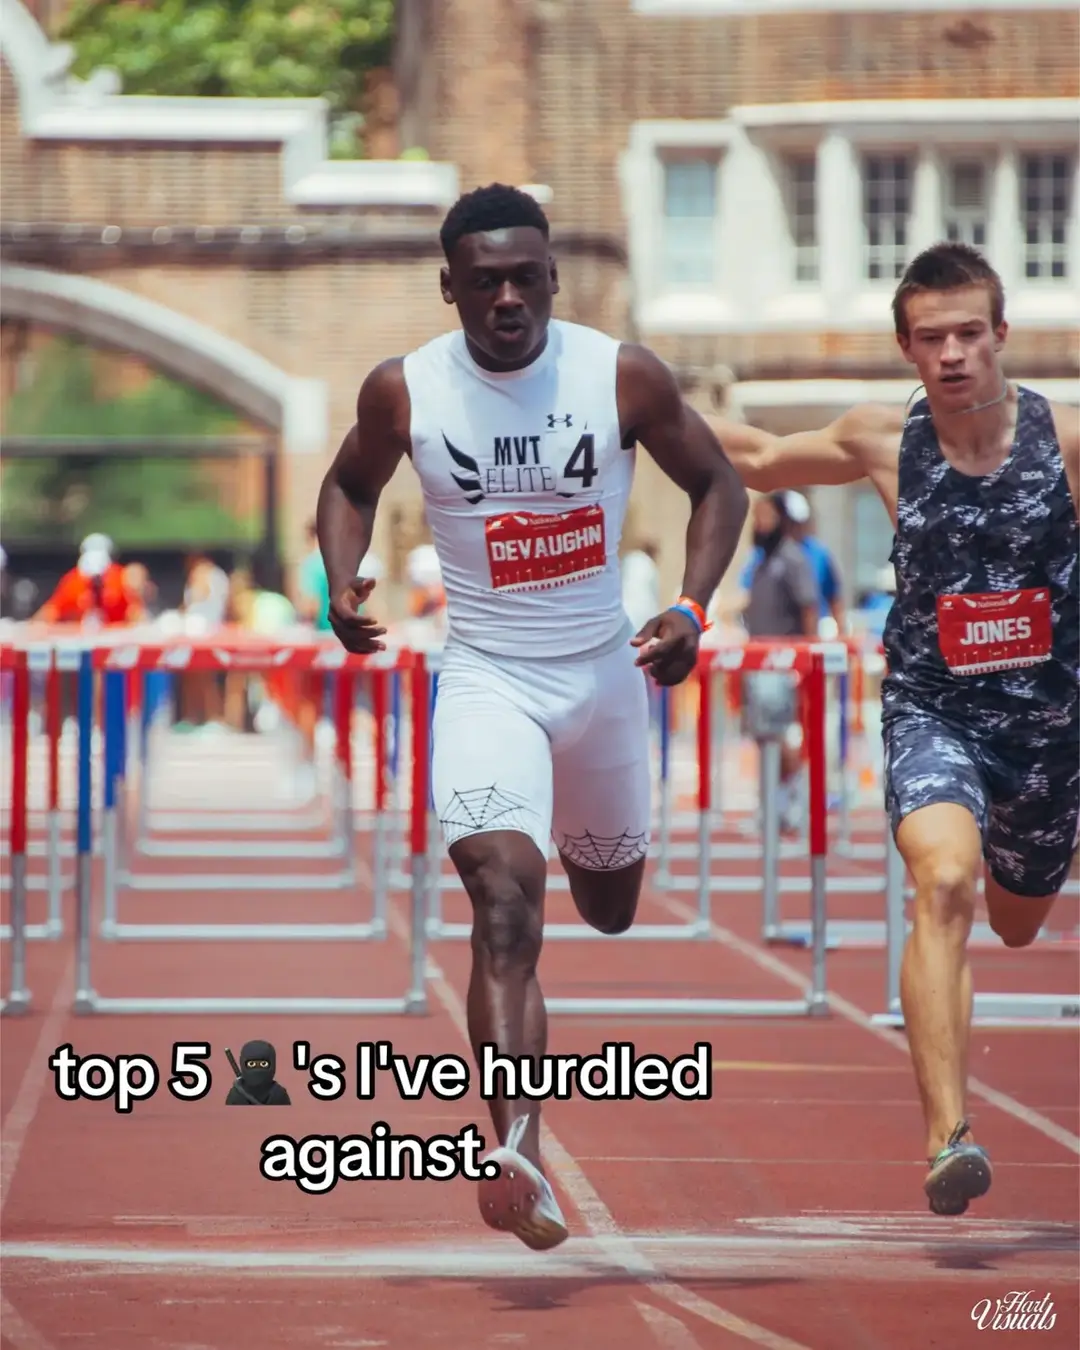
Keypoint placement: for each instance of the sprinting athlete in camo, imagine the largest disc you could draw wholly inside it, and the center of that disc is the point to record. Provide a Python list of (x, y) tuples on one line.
[(981, 721), (997, 731)]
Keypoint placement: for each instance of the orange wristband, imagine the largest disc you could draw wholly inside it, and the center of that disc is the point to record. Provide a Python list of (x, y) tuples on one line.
[(684, 602)]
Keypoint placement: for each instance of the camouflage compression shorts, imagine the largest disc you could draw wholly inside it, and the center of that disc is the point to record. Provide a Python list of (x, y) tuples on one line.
[(1026, 803)]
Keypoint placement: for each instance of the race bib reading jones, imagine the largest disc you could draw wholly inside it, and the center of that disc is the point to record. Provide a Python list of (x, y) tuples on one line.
[(996, 631), (530, 552)]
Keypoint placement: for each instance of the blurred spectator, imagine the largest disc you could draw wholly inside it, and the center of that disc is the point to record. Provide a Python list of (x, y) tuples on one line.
[(877, 603), (425, 579), (206, 594), (24, 595), (312, 607), (641, 598), (205, 608), (312, 586), (831, 610), (94, 593), (140, 585), (783, 602), (426, 624), (239, 707), (271, 612)]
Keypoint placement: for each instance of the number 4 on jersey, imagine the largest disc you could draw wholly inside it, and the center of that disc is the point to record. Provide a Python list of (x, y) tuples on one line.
[(582, 463)]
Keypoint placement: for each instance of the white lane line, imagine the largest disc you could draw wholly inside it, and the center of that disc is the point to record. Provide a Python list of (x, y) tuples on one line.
[(35, 1080), (848, 1164), (17, 1331), (595, 1214), (667, 1330), (855, 1015), (889, 1251)]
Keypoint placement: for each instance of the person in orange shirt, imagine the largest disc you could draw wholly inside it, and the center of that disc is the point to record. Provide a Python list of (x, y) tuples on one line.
[(95, 588)]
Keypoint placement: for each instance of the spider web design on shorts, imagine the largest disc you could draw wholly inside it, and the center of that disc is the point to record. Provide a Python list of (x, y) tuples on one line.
[(485, 808), (604, 853)]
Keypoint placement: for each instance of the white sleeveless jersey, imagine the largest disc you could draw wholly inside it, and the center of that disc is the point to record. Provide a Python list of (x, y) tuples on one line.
[(525, 486)]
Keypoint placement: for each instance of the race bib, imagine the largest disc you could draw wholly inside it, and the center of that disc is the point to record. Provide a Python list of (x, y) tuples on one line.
[(997, 631), (530, 552)]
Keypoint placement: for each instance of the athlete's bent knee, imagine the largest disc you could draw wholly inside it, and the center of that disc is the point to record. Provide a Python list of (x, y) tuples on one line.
[(1017, 930), (612, 922), (507, 927), (1016, 937), (608, 900), (945, 899)]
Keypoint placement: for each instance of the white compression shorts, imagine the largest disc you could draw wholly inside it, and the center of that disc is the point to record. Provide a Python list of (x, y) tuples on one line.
[(557, 749)]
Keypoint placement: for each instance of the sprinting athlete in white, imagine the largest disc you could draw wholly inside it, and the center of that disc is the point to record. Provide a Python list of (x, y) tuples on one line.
[(522, 430)]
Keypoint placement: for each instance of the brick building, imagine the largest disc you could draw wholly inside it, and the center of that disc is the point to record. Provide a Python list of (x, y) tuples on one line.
[(741, 181), (735, 182)]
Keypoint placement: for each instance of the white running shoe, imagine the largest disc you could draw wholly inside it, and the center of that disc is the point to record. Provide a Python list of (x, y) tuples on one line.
[(520, 1200)]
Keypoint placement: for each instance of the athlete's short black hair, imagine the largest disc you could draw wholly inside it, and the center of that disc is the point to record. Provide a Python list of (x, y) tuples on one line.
[(947, 267), (495, 207)]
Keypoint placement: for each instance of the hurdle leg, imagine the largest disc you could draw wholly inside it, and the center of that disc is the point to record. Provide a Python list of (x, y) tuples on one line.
[(84, 993), (819, 831), (663, 866), (705, 789), (419, 831), (770, 840), (154, 713), (380, 860), (433, 834), (18, 999), (895, 917), (844, 823), (895, 932), (343, 822), (54, 848), (113, 759), (719, 713), (400, 842), (53, 822)]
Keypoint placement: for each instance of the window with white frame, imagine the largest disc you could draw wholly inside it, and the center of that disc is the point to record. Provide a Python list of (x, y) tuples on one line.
[(801, 190), (886, 214), (1045, 188), (689, 224), (966, 199)]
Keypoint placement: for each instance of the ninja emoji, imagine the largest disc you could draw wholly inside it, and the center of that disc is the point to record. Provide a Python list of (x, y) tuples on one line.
[(255, 1084)]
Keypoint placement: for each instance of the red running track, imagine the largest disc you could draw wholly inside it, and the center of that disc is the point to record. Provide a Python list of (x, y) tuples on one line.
[(786, 1212)]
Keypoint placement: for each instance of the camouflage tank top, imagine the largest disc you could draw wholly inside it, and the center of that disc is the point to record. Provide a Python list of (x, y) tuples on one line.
[(985, 628)]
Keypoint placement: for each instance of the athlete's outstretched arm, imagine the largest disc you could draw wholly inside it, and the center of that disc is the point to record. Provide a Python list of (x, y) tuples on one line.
[(345, 515), (1067, 426), (653, 411), (805, 459)]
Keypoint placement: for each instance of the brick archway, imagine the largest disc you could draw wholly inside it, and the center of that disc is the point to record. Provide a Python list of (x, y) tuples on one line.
[(216, 238), (294, 407)]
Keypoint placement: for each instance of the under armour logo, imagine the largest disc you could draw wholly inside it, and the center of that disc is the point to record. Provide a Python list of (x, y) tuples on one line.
[(553, 420)]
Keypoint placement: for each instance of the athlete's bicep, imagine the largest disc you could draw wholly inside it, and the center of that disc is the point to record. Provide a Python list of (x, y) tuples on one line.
[(373, 446), (767, 463), (1067, 426)]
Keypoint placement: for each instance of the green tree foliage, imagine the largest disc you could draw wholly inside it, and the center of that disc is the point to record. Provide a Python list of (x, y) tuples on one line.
[(239, 48), (137, 502)]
